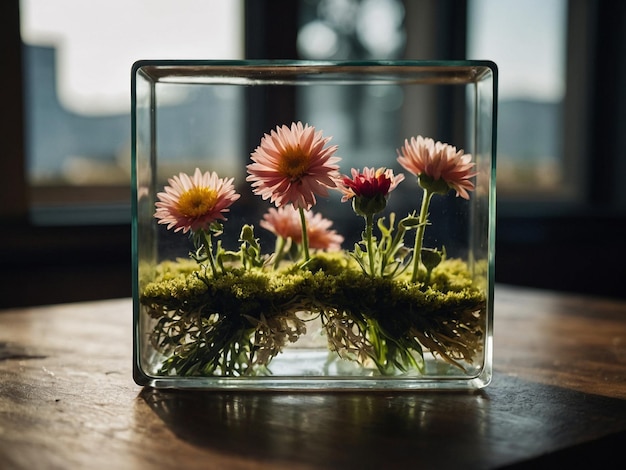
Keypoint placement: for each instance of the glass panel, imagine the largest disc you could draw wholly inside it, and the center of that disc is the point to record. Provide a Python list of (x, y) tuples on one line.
[(394, 291), (77, 61), (528, 42)]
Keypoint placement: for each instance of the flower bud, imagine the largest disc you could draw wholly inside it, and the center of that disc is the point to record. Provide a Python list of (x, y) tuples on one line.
[(364, 205), (247, 234), (431, 258)]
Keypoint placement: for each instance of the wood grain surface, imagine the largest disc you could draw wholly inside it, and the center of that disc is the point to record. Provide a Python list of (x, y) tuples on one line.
[(68, 401)]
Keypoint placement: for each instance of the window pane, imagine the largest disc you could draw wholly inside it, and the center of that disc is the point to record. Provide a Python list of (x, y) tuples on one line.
[(527, 40), (77, 61), (354, 30)]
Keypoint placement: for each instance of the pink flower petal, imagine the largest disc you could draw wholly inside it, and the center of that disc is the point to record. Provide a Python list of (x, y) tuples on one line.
[(438, 161), (314, 171)]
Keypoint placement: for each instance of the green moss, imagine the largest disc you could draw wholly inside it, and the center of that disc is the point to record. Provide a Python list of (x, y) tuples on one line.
[(390, 320)]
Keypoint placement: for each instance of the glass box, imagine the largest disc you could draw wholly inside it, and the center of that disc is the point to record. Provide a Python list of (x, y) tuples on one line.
[(313, 226)]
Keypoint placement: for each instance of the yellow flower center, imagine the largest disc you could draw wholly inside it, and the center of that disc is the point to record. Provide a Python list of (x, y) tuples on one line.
[(197, 201), (294, 163)]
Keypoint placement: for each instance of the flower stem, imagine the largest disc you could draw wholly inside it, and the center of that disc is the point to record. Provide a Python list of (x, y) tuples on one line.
[(419, 234), (209, 251), (392, 249), (369, 226), (305, 236), (279, 251)]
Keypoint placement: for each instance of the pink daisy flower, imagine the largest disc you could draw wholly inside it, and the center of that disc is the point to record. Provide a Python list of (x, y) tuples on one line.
[(293, 165), (194, 202), (285, 222), (436, 163), (370, 183)]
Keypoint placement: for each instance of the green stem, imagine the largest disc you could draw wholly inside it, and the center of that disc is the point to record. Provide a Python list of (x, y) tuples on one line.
[(209, 251), (419, 235), (392, 249), (369, 226), (278, 252), (305, 236)]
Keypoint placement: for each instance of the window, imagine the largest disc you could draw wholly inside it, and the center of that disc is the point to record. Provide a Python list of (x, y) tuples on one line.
[(527, 40), (544, 217), (77, 57)]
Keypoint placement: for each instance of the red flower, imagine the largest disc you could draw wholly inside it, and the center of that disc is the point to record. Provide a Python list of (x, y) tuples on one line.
[(369, 189), (370, 183)]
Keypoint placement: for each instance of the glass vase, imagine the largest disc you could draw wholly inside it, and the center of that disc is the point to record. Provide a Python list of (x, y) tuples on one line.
[(313, 226)]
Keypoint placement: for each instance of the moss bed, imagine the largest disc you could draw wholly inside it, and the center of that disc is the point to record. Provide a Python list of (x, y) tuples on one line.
[(235, 323)]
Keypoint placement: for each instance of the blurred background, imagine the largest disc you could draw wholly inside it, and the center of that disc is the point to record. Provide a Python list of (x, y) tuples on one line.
[(65, 129)]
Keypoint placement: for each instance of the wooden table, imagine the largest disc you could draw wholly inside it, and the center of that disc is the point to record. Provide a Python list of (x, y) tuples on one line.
[(67, 401)]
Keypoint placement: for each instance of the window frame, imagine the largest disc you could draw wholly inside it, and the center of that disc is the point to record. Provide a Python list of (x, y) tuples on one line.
[(13, 190)]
